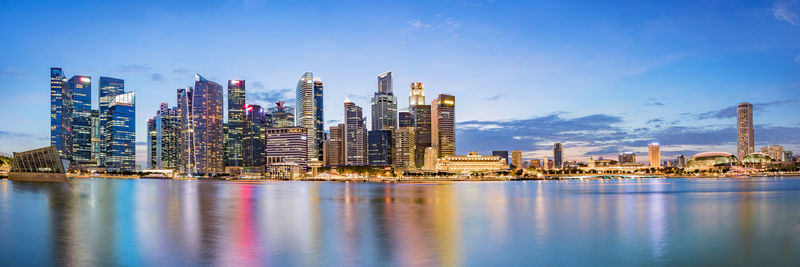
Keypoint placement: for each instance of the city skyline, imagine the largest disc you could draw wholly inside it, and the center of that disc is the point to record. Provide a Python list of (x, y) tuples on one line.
[(685, 117)]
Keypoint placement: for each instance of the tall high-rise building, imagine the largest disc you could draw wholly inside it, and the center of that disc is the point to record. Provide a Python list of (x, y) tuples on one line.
[(256, 123), (162, 139), (153, 146), (516, 159), (774, 151), (503, 154), (310, 112), (287, 145), (403, 149), (282, 115), (681, 161), (207, 126), (355, 135), (745, 144), (422, 132), (120, 134), (80, 88), (385, 83), (186, 159), (627, 157), (558, 156), (97, 138), (654, 153), (443, 125), (236, 124), (335, 146), (379, 152), (406, 119), (59, 113), (417, 96), (108, 88), (787, 155), (384, 104)]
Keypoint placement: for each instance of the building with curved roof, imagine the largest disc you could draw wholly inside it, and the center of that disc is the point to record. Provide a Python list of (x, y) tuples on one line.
[(757, 159), (710, 160)]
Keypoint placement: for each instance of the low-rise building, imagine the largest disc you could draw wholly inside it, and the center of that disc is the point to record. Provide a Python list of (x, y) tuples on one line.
[(470, 163)]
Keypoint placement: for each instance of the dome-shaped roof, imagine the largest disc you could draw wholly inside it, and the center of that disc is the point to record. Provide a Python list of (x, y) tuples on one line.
[(710, 159), (757, 157)]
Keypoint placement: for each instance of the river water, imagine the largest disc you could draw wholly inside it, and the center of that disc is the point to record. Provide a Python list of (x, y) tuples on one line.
[(753, 221)]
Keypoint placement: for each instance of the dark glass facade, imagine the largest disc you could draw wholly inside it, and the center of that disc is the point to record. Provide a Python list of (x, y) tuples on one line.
[(236, 124), (422, 132), (254, 135), (121, 130), (207, 126), (81, 131), (406, 119), (379, 152), (59, 123)]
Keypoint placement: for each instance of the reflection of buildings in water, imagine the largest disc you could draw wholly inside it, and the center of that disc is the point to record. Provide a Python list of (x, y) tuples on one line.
[(657, 214)]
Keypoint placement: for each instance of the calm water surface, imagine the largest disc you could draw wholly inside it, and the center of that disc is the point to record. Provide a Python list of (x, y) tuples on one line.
[(620, 222)]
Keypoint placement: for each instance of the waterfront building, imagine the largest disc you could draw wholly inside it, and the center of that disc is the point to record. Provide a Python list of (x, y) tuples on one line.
[(80, 88), (97, 138), (38, 165), (309, 112), (654, 154), (403, 149), (757, 160), (422, 132), (59, 116), (430, 159), (774, 151), (355, 135), (405, 119), (109, 88), (558, 156), (516, 159), (744, 130), (254, 134), (235, 131), (335, 146), (379, 152), (186, 158), (153, 148), (206, 128), (286, 145), (787, 156), (384, 104), (710, 160), (282, 115), (503, 154), (417, 96), (472, 162), (681, 161), (443, 119), (627, 157), (120, 135), (537, 164)]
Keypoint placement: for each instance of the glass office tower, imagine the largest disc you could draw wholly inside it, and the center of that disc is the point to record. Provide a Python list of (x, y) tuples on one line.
[(109, 88), (81, 91), (59, 123), (121, 131), (236, 124), (207, 126), (309, 112)]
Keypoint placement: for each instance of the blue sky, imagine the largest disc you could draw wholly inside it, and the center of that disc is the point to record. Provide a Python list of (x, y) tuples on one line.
[(601, 77)]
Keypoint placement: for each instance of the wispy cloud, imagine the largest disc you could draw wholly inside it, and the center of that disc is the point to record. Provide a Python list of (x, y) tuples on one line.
[(787, 10), (258, 85), (10, 71), (653, 102), (447, 24), (268, 98), (156, 77), (416, 24), (133, 68), (495, 97)]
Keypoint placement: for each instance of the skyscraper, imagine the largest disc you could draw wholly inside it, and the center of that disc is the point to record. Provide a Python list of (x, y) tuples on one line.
[(120, 133), (162, 139), (627, 157), (236, 124), (430, 159), (516, 159), (59, 116), (403, 149), (443, 130), (654, 153), (282, 116), (186, 159), (336, 146), (80, 88), (207, 126), (97, 137), (503, 154), (422, 132), (558, 156), (310, 112), (774, 151), (153, 146), (379, 152), (417, 96), (384, 104), (256, 122), (354, 135), (109, 88), (744, 130), (406, 119)]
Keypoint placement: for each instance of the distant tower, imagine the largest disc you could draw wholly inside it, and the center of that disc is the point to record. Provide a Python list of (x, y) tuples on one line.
[(236, 122), (558, 155), (516, 159), (384, 104), (744, 130), (310, 112), (443, 121), (80, 88), (417, 96), (59, 112), (654, 153), (355, 135), (207, 126), (502, 154)]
